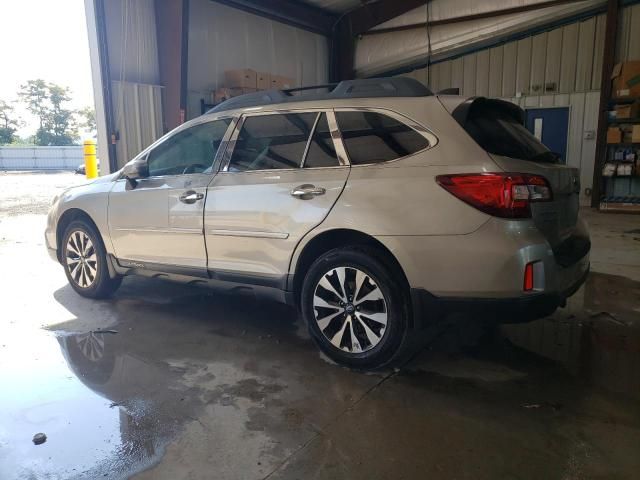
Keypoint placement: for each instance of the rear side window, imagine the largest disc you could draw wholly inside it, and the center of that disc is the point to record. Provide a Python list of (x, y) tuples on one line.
[(500, 133), (371, 137), (272, 142)]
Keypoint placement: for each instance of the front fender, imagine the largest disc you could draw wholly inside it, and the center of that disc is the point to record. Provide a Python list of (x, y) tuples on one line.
[(91, 199)]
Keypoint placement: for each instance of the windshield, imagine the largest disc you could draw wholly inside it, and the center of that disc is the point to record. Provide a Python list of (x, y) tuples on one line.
[(499, 133)]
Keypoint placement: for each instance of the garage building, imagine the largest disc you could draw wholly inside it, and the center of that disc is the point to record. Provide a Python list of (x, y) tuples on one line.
[(156, 63)]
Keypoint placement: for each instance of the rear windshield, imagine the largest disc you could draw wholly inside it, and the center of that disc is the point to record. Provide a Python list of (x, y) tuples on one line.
[(498, 132)]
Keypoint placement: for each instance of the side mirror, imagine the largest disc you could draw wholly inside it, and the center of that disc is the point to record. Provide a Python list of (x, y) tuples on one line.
[(135, 170)]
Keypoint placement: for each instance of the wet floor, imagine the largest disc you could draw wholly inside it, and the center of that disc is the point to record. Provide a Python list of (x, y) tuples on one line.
[(166, 381)]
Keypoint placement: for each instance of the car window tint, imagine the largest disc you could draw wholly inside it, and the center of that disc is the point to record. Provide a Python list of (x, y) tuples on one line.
[(321, 151), (268, 142), (372, 137), (189, 151)]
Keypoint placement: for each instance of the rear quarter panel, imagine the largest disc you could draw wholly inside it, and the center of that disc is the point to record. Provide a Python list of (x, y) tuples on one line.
[(402, 197)]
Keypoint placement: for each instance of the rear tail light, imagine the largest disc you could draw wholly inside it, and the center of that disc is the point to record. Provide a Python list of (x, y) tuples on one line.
[(506, 195)]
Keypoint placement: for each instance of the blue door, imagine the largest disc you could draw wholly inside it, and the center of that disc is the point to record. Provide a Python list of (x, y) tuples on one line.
[(551, 127)]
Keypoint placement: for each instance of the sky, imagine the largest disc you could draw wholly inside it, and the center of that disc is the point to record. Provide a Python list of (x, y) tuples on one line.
[(44, 39)]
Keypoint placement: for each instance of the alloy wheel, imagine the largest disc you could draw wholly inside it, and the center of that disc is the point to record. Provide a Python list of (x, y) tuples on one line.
[(81, 259), (350, 309)]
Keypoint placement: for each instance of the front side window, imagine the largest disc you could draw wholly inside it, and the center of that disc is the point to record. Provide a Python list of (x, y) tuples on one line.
[(189, 151), (272, 142), (371, 137)]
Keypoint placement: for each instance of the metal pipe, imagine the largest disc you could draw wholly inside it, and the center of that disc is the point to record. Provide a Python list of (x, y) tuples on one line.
[(608, 59)]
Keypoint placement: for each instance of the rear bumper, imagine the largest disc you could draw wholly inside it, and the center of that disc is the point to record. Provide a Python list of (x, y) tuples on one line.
[(429, 309)]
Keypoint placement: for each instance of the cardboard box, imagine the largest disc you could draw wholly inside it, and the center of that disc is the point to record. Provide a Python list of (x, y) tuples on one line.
[(241, 78), (264, 81), (280, 82), (635, 134), (235, 91), (220, 95), (626, 111), (614, 135), (626, 79)]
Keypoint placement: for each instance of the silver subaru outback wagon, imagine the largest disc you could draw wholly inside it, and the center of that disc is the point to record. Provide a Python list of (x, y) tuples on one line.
[(374, 206)]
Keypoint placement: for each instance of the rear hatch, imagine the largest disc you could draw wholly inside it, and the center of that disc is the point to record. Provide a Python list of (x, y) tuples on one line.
[(498, 127)]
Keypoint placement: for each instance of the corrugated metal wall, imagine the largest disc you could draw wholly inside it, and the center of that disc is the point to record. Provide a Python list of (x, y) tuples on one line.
[(41, 158), (560, 67), (380, 53), (137, 109), (563, 60), (132, 41), (135, 75), (629, 34), (222, 38)]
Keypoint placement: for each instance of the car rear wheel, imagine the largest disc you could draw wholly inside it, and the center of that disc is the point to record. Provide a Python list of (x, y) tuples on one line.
[(84, 260), (354, 307)]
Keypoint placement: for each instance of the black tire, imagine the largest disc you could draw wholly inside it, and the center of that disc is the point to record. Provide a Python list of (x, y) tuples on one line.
[(370, 262), (103, 285)]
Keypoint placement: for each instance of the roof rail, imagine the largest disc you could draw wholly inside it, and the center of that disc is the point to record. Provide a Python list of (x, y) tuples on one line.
[(365, 88)]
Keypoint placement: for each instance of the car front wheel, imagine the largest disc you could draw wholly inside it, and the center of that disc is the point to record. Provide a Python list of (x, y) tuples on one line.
[(354, 307), (84, 260)]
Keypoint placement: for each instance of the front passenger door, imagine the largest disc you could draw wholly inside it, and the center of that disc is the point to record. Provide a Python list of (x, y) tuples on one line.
[(159, 223)]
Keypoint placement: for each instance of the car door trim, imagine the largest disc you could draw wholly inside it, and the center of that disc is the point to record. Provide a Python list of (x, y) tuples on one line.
[(311, 134), (124, 267), (248, 233), (189, 231), (338, 142)]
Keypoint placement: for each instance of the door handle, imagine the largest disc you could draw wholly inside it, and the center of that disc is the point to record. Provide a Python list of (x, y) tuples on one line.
[(191, 196), (307, 191)]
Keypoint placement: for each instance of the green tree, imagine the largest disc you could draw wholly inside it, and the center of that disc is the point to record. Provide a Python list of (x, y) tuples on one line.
[(48, 101), (61, 120), (88, 119), (9, 123)]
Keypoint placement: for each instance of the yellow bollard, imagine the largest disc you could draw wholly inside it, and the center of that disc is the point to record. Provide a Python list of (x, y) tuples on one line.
[(90, 161)]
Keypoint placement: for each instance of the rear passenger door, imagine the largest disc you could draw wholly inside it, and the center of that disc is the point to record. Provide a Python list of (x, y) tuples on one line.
[(280, 177)]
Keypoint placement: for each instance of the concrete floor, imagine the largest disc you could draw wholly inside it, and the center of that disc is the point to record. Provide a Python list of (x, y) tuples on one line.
[(189, 383)]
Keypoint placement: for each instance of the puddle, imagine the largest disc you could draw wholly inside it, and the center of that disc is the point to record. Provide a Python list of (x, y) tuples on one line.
[(198, 376), (65, 386), (596, 337)]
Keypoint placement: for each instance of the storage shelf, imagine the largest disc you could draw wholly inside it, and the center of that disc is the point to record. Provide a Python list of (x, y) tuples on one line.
[(620, 207), (624, 120), (624, 144), (613, 101)]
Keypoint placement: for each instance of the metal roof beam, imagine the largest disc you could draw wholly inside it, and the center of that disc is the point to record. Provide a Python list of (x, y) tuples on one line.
[(371, 14), (296, 14), (474, 16), (356, 22)]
